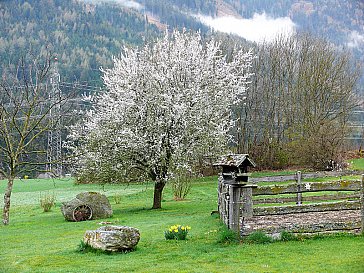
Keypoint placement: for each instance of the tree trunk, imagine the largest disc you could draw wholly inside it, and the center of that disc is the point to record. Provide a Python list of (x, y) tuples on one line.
[(7, 196), (158, 189)]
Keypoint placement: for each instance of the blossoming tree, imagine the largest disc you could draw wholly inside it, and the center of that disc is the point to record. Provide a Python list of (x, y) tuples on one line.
[(166, 105)]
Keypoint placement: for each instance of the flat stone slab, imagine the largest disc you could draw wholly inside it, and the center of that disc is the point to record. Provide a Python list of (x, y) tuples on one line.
[(112, 238)]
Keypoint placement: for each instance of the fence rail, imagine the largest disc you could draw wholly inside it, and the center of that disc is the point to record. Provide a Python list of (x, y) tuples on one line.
[(232, 198), (353, 185), (281, 210)]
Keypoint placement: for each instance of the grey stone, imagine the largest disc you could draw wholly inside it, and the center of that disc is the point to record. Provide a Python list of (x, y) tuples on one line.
[(68, 209), (87, 206), (112, 238), (98, 202)]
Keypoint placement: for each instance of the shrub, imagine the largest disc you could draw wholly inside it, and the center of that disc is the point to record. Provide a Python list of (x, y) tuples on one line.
[(258, 237), (117, 198), (181, 186), (86, 248), (47, 201), (83, 247), (227, 236), (287, 236), (177, 232)]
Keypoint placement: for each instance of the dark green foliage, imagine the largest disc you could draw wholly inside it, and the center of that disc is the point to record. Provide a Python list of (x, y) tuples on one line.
[(258, 237), (287, 236), (227, 236), (82, 35), (174, 13), (86, 248)]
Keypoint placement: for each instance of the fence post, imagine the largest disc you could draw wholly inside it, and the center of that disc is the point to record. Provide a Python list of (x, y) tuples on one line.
[(247, 202), (234, 208), (299, 193), (362, 203)]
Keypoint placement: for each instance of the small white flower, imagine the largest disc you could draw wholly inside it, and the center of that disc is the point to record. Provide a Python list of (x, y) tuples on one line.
[(308, 186)]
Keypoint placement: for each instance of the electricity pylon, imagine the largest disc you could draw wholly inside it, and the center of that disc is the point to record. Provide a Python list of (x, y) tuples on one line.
[(54, 149)]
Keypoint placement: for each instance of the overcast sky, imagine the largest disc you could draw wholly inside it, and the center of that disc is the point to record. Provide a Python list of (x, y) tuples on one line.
[(356, 39), (260, 27)]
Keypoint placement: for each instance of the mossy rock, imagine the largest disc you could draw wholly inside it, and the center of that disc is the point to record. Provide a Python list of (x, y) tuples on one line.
[(87, 206)]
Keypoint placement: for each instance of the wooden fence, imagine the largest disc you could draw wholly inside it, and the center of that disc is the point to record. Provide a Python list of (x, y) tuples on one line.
[(338, 207)]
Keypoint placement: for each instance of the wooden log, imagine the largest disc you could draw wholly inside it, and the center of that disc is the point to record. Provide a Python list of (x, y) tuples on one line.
[(283, 178), (223, 200), (349, 185), (280, 210), (247, 202), (234, 208), (270, 179), (299, 193), (220, 197), (312, 228), (339, 196)]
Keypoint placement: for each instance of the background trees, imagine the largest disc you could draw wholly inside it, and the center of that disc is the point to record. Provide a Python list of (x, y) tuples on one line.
[(24, 120), (298, 106), (167, 105)]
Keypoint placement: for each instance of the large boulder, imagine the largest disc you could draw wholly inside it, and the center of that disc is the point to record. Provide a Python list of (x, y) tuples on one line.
[(112, 238), (87, 206)]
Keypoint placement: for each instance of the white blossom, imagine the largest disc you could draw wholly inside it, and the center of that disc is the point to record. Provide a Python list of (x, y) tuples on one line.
[(166, 105)]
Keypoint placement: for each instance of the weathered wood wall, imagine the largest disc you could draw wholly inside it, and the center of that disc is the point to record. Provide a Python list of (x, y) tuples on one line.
[(223, 200), (349, 192)]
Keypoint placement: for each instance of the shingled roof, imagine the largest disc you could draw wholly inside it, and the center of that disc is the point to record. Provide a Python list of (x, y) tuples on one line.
[(235, 160)]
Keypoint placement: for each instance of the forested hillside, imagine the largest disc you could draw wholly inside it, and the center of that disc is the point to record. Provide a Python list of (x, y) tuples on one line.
[(341, 22), (85, 34), (82, 35)]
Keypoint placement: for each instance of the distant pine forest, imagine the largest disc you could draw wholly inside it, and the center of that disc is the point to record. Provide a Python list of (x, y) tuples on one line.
[(86, 34)]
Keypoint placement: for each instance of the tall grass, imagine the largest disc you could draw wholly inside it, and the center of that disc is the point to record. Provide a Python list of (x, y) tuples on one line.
[(44, 242)]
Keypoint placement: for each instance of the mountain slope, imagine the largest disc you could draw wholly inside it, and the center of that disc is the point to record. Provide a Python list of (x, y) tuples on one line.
[(341, 22), (84, 36)]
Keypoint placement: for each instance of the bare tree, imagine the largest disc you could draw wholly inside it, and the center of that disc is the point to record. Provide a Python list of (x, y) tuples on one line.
[(299, 102), (24, 120)]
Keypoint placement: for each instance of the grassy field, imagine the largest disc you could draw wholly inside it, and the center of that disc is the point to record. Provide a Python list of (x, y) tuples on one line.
[(356, 164), (44, 242)]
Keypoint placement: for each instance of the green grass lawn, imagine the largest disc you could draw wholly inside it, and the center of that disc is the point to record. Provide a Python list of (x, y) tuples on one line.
[(356, 164), (44, 242)]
